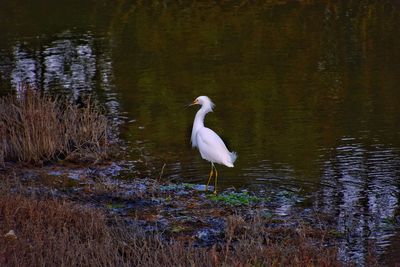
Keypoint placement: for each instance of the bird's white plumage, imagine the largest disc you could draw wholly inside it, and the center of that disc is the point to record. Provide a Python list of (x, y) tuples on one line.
[(212, 148), (210, 145)]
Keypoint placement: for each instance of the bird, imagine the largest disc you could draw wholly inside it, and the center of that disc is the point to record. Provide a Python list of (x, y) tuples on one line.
[(209, 144)]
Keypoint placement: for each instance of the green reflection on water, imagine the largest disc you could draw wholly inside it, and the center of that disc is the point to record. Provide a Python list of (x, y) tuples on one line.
[(290, 79)]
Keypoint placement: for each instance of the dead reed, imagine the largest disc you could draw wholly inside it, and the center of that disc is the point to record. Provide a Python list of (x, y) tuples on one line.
[(36, 128)]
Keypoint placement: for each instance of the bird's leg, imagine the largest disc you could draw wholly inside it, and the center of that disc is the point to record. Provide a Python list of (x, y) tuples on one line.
[(209, 178), (216, 179)]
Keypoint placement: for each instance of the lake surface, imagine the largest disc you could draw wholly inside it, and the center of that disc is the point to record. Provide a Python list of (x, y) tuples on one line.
[(307, 93)]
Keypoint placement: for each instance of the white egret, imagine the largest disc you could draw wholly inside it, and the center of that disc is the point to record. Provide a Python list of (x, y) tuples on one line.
[(210, 145)]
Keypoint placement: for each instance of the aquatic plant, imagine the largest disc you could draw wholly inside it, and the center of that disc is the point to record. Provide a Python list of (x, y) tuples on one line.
[(236, 198), (36, 128)]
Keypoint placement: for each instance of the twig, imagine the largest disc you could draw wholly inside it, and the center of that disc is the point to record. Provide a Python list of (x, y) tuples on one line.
[(162, 172)]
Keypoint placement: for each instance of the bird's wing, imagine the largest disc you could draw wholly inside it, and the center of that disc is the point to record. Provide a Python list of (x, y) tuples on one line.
[(212, 147), (212, 139)]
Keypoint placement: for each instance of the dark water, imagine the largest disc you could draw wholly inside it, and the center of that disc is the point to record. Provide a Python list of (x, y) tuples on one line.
[(306, 92)]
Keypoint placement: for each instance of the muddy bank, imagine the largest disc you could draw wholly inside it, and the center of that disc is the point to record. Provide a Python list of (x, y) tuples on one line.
[(178, 210)]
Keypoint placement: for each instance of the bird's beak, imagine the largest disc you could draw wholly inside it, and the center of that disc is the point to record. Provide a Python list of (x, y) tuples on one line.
[(191, 104)]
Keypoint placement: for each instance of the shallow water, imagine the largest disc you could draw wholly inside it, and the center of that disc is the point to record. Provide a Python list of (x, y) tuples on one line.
[(306, 93)]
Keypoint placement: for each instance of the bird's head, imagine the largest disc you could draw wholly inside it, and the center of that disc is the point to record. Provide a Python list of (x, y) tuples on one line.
[(203, 101)]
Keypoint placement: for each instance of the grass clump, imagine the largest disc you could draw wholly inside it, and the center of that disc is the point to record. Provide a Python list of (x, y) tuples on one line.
[(35, 128)]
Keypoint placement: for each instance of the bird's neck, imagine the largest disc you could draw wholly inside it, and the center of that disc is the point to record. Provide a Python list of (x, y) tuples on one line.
[(199, 123), (199, 118)]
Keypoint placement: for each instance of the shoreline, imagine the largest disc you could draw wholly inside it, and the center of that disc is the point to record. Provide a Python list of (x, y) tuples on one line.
[(183, 214)]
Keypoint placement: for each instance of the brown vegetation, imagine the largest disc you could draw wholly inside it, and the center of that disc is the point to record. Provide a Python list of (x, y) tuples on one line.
[(35, 128), (50, 232)]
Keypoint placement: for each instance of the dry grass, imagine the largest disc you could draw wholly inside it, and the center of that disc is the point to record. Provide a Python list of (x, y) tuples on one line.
[(35, 128), (51, 232), (256, 243)]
